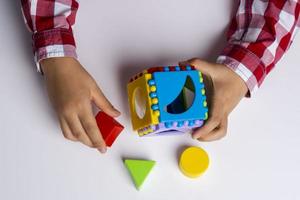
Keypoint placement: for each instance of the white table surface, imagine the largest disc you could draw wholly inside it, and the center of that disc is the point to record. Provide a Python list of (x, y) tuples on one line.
[(260, 157)]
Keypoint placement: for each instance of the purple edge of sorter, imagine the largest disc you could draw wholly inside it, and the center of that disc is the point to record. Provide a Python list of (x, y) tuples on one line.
[(160, 129)]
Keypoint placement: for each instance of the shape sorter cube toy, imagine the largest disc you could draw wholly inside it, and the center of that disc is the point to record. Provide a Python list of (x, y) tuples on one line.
[(167, 100)]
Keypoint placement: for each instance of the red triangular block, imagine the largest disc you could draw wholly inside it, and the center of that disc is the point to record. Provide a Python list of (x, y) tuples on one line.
[(109, 127)]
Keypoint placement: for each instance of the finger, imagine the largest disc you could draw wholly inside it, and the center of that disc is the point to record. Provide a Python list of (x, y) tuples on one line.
[(207, 128), (66, 130), (213, 121), (102, 102), (78, 131), (217, 133), (90, 126), (201, 65)]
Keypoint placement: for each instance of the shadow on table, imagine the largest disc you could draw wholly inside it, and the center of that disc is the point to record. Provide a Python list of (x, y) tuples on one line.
[(16, 17), (14, 6)]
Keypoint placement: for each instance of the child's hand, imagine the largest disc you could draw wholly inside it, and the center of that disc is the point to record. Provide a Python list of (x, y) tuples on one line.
[(224, 89), (72, 90)]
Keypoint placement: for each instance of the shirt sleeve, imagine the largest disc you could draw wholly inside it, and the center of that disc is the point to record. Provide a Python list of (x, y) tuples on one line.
[(51, 25), (258, 36)]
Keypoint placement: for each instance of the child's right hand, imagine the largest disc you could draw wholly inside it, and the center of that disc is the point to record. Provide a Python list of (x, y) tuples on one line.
[(72, 90)]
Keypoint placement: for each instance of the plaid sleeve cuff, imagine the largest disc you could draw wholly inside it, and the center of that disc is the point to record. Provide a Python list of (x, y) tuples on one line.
[(53, 43), (245, 63)]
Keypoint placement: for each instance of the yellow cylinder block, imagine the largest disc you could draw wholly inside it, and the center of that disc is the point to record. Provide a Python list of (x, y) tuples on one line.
[(193, 162)]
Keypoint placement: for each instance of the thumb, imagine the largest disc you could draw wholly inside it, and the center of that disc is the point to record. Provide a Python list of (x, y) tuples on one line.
[(102, 103), (201, 65)]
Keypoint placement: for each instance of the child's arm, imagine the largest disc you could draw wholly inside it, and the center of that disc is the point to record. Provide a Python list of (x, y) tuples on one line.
[(70, 87), (258, 37)]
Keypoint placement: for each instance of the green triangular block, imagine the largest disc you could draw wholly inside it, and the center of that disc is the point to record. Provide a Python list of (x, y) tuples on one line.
[(139, 170)]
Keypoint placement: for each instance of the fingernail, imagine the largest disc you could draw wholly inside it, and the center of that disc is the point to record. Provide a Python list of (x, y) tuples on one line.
[(117, 112), (102, 150)]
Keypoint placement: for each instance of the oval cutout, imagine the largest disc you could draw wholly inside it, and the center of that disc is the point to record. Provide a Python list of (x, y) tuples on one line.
[(139, 103)]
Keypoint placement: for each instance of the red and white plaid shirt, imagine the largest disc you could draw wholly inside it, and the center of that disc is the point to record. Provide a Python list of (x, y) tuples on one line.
[(258, 36)]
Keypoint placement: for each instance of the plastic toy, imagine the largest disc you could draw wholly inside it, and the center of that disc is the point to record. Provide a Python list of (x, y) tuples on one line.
[(139, 170), (193, 162), (167, 100), (109, 127)]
